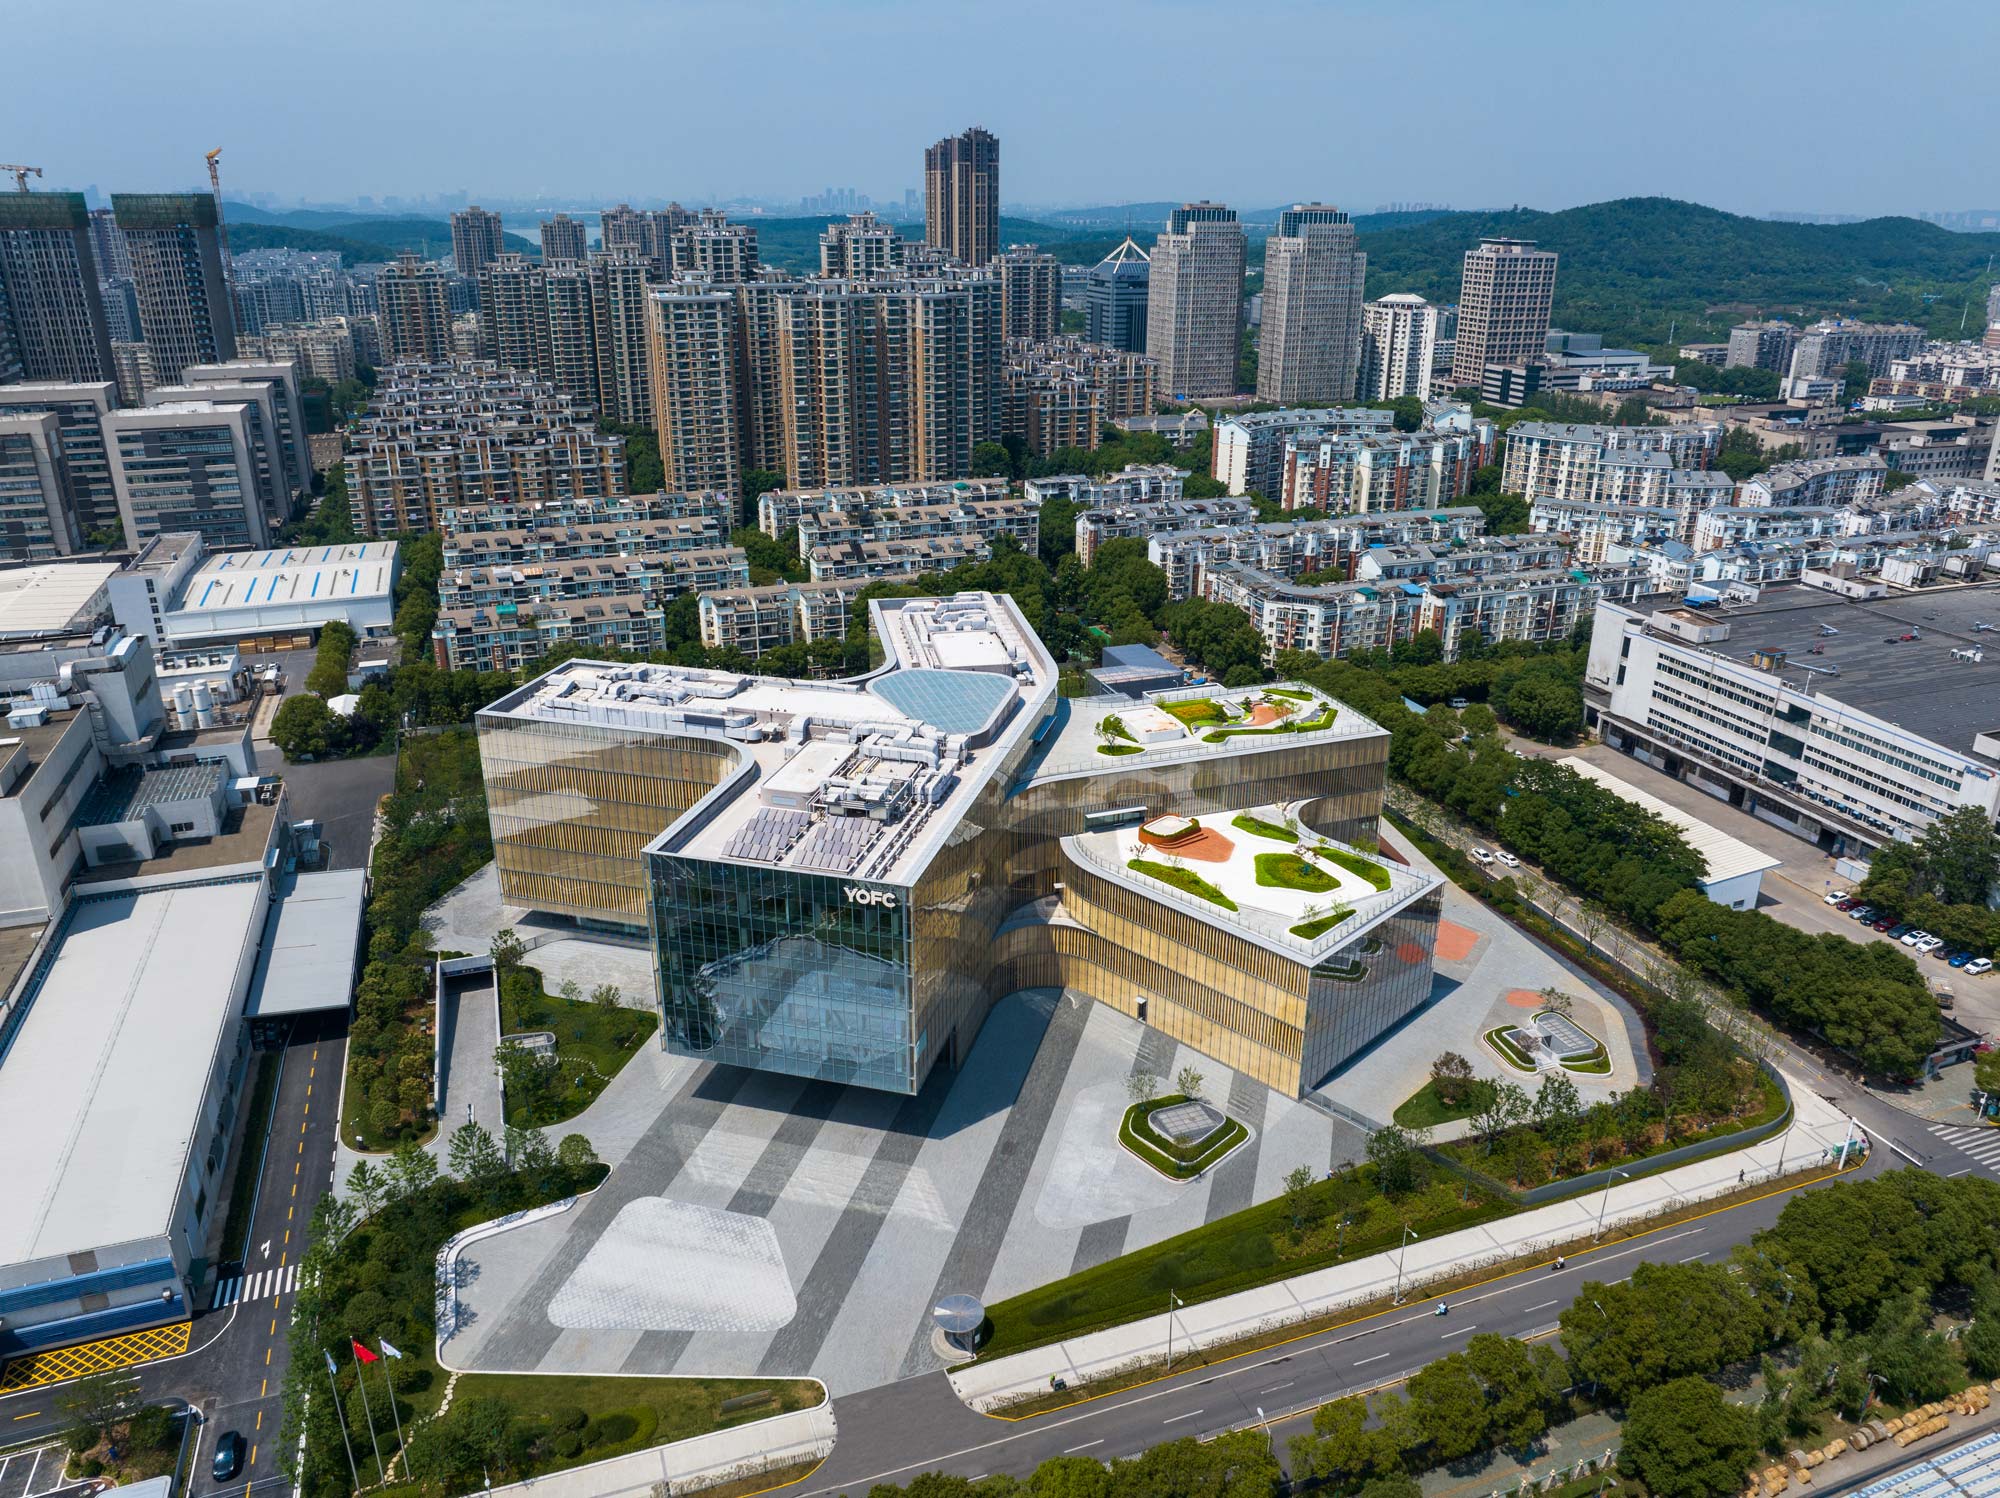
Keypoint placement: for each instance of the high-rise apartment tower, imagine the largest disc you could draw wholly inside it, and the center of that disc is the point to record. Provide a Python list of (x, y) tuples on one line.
[(1503, 307), (1309, 347), (962, 195), (1194, 304)]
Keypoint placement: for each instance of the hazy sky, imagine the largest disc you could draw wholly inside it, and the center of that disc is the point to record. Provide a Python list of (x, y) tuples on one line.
[(1753, 105)]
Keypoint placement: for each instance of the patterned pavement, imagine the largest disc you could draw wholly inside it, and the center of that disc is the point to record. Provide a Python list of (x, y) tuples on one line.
[(65, 1363)]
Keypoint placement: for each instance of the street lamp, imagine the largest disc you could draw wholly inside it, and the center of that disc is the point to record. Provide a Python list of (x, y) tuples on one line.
[(1408, 1233), (1172, 1301), (1605, 1201)]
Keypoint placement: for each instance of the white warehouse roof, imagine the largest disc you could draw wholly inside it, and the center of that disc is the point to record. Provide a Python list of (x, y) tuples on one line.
[(287, 587), (51, 597), (1728, 857), (102, 1088)]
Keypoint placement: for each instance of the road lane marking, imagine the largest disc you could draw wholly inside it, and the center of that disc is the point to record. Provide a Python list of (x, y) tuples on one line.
[(1545, 1305), (1188, 1416), (1084, 1447), (1275, 1387), (1376, 1359), (1456, 1331), (1692, 1257), (29, 1416)]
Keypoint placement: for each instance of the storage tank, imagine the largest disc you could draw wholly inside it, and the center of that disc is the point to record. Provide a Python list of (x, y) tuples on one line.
[(204, 705), (184, 700)]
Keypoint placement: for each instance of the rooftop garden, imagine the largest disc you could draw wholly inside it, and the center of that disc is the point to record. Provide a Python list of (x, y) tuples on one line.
[(1185, 880), (1290, 871), (1317, 926)]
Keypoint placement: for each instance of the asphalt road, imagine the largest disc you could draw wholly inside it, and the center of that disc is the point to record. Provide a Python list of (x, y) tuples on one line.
[(341, 795), (237, 1354)]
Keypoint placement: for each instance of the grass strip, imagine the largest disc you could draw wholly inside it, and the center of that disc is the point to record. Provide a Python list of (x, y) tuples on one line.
[(1258, 827), (1185, 880), (1180, 1162), (1119, 749), (1314, 929), (1424, 1109), (1291, 871)]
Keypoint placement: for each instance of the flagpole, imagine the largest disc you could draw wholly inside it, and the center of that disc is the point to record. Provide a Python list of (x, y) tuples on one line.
[(389, 1377), (361, 1383), (341, 1420)]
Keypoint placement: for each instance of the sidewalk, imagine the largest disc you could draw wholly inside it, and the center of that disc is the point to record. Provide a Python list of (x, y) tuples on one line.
[(742, 1451), (1817, 1127)]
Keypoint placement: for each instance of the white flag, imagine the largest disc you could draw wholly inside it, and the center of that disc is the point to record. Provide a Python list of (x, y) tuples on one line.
[(388, 1349)]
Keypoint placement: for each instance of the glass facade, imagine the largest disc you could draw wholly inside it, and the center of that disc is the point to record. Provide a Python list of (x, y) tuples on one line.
[(573, 805), (806, 974)]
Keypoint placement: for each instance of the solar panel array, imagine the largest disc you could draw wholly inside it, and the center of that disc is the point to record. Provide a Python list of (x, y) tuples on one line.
[(837, 844), (766, 836)]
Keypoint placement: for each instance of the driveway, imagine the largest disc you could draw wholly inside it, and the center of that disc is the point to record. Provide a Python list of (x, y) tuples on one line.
[(341, 794)]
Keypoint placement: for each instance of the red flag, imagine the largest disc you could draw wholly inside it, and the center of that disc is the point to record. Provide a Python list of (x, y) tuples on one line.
[(361, 1352)]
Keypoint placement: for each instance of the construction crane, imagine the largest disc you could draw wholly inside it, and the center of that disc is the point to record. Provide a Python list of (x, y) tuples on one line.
[(21, 174), (221, 228)]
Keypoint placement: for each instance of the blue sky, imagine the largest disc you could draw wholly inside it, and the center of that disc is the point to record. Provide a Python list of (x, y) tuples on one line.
[(1751, 105)]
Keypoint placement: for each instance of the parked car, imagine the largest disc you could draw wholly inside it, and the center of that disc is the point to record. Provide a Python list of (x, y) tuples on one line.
[(1979, 966), (1942, 951), (228, 1456), (1900, 930), (1863, 912), (1481, 856), (1930, 943), (1835, 896), (1914, 936), (1960, 959), (1458, 703), (1883, 925), (1509, 859), (1845, 902)]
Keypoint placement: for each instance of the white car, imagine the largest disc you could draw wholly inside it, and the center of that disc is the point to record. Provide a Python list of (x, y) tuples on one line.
[(1978, 966), (1834, 897), (1930, 944), (1915, 938), (1510, 860), (1482, 857)]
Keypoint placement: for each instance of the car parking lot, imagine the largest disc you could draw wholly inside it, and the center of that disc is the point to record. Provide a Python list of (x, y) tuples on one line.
[(32, 1473)]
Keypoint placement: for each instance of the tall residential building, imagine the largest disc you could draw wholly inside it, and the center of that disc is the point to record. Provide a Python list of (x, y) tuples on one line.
[(863, 246), (1503, 307), (1030, 292), (1309, 348), (563, 238), (51, 311), (108, 243), (1826, 348), (1398, 347), (513, 316), (416, 312), (1115, 299), (184, 303), (187, 466), (476, 240), (691, 338), (624, 367), (1762, 345), (650, 232), (1194, 305), (37, 521), (570, 314), (715, 249), (962, 195), (79, 410)]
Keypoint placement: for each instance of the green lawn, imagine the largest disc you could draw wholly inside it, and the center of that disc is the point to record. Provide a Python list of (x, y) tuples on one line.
[(1355, 864), (1424, 1109), (1290, 871), (1513, 1054), (1321, 719), (1246, 1249), (1314, 929), (1201, 710), (592, 1043), (1258, 827), (1182, 879), (1120, 749)]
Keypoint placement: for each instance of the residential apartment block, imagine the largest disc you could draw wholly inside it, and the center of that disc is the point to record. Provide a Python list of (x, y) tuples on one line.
[(438, 436), (1383, 470), (52, 316), (1826, 348), (962, 196), (564, 238), (1561, 460), (1398, 347), (416, 312), (1309, 347), (1030, 292), (1249, 451), (711, 508), (754, 620), (521, 546), (1194, 301), (861, 247), (1060, 392), (185, 313), (1763, 345), (1816, 481), (870, 560), (1291, 549), (781, 510), (477, 240)]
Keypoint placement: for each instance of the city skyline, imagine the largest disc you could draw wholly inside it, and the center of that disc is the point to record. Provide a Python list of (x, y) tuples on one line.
[(1239, 138)]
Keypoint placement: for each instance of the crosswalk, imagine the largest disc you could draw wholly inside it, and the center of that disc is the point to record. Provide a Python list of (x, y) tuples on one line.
[(249, 1287), (1980, 1144)]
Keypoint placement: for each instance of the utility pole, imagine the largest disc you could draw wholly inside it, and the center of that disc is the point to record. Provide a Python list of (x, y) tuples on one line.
[(1408, 1233), (1172, 1301), (1605, 1202)]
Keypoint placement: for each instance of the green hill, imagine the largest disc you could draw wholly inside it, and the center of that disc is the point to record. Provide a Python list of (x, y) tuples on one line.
[(354, 235), (279, 237), (1632, 267)]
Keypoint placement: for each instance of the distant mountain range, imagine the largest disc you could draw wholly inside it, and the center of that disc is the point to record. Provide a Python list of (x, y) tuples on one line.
[(360, 237)]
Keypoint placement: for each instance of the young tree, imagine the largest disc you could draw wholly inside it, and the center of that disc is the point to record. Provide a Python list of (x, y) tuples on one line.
[(571, 991), (365, 1186), (1188, 1080), (1682, 1439), (607, 996), (473, 1155), (526, 1077), (1399, 1169), (529, 1152), (1499, 1111), (574, 1154), (1341, 1447), (1299, 1194), (1557, 1002), (1558, 1114), (413, 1168), (1141, 1086), (507, 949), (1451, 1078)]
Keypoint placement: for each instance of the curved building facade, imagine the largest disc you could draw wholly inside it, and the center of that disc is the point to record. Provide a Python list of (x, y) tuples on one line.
[(842, 878)]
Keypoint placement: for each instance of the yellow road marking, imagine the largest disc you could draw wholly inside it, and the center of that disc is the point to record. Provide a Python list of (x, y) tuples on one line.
[(267, 1357), (29, 1416), (63, 1363), (258, 1426), (263, 1388)]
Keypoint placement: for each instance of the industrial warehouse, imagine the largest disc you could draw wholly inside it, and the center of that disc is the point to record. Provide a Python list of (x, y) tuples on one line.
[(843, 877)]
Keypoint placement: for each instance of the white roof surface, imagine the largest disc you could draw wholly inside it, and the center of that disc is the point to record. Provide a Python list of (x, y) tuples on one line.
[(43, 599), (101, 1090), (1728, 857), (312, 937), (291, 575)]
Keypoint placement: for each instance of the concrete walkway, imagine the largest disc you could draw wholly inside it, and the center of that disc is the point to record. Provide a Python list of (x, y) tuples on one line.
[(1817, 1128), (465, 919), (742, 1451), (469, 1090)]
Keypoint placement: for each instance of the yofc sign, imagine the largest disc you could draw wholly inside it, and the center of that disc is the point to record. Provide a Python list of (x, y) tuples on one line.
[(858, 896)]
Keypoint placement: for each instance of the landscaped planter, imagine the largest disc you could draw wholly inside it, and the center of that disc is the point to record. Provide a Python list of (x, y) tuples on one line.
[(1178, 1161)]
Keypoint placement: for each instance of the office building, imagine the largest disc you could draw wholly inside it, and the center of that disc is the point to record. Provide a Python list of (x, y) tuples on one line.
[(52, 319), (962, 196), (863, 246), (1194, 301), (85, 469), (563, 238), (875, 864), (1762, 345), (1398, 348), (1030, 292), (185, 308), (477, 240), (1790, 707), (189, 465), (416, 312), (278, 380), (1115, 299), (1248, 454), (37, 521), (1503, 307), (1309, 346), (439, 437)]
